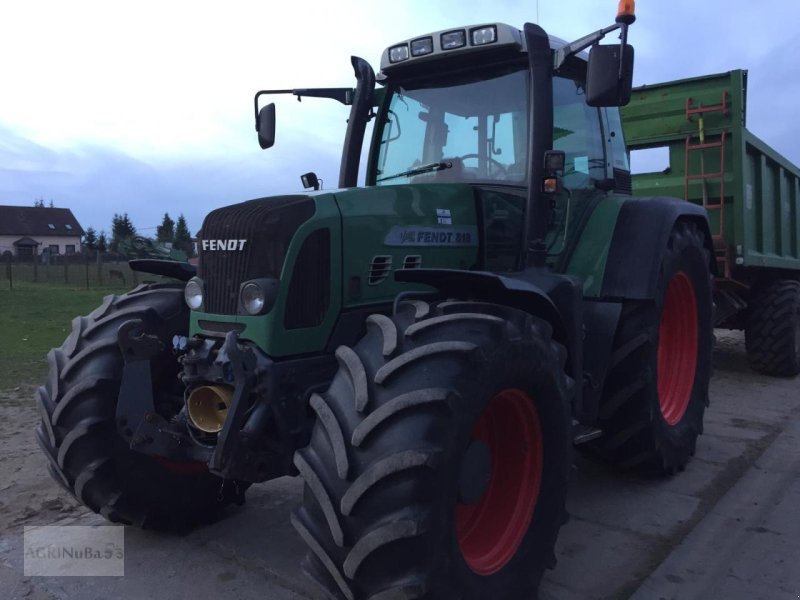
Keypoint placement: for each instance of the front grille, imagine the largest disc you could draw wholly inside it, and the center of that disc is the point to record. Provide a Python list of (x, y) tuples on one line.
[(267, 225), (309, 293), (218, 327)]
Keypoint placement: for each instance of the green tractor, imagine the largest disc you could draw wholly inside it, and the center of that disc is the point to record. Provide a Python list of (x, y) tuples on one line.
[(425, 350)]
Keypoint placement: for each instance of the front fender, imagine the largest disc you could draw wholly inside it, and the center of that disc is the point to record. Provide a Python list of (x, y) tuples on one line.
[(552, 297), (490, 287)]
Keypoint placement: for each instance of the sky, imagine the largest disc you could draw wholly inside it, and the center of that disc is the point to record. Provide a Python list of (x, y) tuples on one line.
[(146, 107)]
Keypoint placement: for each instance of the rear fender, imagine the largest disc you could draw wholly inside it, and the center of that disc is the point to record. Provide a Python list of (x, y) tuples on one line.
[(640, 235)]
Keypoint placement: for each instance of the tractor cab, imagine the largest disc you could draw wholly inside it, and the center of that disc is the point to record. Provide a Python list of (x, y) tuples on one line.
[(508, 111)]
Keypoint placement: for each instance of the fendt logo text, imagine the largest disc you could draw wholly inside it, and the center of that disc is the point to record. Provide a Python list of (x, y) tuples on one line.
[(222, 244)]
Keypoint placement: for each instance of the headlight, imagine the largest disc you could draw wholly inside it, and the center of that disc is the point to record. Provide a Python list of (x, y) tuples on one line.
[(193, 293), (253, 298)]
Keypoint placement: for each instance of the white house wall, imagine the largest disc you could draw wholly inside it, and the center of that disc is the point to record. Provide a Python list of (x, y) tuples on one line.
[(7, 242)]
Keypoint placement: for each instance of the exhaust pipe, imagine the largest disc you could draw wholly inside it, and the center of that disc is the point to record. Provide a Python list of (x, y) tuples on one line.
[(207, 407)]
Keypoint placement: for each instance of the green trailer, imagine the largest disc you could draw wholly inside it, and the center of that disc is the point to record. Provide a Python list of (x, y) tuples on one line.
[(691, 140)]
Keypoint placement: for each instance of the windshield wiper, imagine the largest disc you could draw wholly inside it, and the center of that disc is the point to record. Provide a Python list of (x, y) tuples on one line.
[(437, 166)]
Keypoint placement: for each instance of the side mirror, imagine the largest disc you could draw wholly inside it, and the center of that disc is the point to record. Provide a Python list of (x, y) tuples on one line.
[(609, 76), (266, 126)]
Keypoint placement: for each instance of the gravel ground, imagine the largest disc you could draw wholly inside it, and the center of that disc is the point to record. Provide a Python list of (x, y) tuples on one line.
[(624, 535)]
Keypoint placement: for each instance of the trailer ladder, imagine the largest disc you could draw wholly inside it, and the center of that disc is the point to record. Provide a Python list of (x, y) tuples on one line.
[(698, 143)]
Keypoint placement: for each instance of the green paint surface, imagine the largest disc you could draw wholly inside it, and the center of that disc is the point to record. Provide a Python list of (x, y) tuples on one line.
[(588, 260), (429, 225), (404, 222), (757, 188)]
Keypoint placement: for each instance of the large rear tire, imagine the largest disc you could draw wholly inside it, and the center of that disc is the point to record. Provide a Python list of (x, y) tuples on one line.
[(438, 464), (772, 330), (78, 435), (656, 390)]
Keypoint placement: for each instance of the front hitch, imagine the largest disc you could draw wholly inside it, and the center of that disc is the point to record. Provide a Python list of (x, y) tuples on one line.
[(243, 364), (137, 420), (148, 432)]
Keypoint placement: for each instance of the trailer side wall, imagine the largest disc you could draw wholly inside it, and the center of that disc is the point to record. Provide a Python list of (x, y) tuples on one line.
[(708, 157)]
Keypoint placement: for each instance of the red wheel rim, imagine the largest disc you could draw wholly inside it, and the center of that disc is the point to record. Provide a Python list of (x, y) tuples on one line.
[(182, 468), (490, 532), (677, 348)]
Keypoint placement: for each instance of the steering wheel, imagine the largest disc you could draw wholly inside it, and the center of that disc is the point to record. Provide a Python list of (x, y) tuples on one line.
[(496, 164)]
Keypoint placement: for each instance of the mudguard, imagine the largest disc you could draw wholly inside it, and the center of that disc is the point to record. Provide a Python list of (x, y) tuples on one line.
[(167, 268), (555, 298), (489, 287), (640, 236)]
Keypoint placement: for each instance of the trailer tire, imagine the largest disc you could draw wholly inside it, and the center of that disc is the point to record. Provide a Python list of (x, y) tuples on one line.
[(77, 432), (772, 329), (394, 457), (656, 390)]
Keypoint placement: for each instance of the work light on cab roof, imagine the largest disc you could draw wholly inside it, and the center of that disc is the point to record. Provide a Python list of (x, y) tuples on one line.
[(435, 45)]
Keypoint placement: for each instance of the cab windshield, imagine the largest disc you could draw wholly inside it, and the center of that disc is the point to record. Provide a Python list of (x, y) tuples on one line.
[(473, 130)]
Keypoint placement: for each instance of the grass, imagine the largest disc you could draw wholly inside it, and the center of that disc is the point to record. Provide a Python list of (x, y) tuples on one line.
[(35, 318)]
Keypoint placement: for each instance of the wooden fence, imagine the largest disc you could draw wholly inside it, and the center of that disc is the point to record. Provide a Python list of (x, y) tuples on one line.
[(77, 270)]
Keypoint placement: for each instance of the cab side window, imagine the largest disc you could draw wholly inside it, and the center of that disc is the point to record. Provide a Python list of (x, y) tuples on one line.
[(576, 131), (616, 139)]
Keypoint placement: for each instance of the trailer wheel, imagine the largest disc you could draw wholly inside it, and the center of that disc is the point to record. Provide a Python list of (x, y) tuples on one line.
[(772, 330), (656, 390), (438, 463), (77, 433)]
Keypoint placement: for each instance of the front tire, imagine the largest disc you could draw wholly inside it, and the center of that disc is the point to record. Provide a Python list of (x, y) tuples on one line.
[(77, 433), (438, 464), (656, 390)]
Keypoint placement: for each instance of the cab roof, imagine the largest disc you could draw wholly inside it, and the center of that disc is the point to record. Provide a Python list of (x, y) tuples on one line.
[(458, 41)]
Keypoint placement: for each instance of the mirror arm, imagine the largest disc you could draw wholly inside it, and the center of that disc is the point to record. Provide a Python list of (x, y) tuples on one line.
[(343, 95), (562, 54), (623, 42)]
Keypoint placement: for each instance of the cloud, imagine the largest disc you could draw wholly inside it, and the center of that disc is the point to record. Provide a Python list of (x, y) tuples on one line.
[(147, 107), (96, 182)]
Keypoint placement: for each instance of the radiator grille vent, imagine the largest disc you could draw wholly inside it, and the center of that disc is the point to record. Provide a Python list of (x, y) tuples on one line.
[(379, 269), (412, 261), (309, 293)]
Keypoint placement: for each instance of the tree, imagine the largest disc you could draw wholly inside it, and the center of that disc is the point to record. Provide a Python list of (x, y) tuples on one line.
[(51, 205), (38, 203), (102, 242), (166, 231), (183, 239), (121, 228), (90, 239)]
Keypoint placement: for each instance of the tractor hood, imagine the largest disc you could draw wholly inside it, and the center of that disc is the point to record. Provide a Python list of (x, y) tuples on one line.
[(247, 241), (387, 228), (327, 252)]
